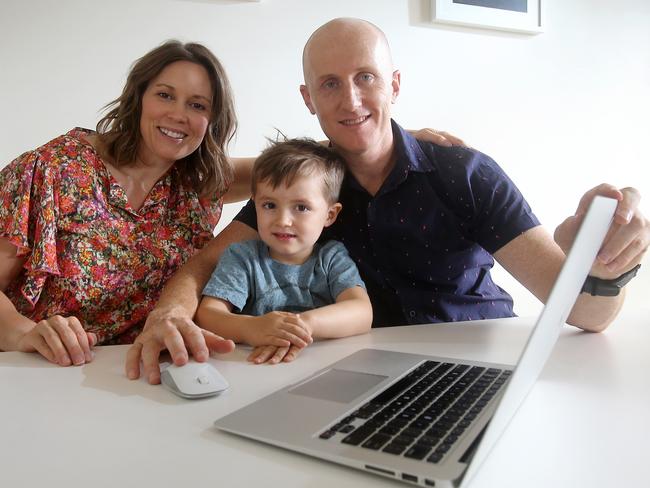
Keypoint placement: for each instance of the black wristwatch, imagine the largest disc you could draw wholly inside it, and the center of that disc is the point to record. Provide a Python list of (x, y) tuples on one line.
[(608, 288)]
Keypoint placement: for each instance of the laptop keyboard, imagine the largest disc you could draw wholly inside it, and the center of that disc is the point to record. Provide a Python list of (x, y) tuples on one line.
[(423, 414)]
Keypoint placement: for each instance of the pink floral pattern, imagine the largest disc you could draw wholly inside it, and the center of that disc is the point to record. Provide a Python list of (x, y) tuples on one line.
[(88, 253)]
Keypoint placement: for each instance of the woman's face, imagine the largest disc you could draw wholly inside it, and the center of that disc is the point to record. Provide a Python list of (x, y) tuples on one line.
[(175, 115)]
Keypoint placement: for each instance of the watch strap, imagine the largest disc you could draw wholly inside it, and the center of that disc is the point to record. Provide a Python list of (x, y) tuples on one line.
[(608, 288)]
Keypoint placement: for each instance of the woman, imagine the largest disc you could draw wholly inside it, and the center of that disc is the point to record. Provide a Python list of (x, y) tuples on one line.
[(92, 224)]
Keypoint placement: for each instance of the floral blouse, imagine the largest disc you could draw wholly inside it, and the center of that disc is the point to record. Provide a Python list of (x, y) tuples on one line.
[(88, 253)]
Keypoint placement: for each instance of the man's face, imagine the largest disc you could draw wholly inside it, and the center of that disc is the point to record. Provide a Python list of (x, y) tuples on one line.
[(350, 86)]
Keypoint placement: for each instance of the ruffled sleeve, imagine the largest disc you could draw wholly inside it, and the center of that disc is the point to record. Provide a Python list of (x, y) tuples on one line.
[(28, 216)]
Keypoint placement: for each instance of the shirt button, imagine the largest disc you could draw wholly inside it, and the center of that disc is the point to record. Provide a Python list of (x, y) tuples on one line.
[(412, 313)]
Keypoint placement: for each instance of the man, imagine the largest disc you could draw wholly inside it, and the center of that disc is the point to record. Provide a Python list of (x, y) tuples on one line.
[(469, 210)]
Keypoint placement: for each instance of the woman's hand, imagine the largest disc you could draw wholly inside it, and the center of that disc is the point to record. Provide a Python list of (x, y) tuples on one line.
[(439, 137), (60, 340)]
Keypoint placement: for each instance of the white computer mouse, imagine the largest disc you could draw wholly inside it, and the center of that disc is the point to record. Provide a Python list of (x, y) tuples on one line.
[(193, 380)]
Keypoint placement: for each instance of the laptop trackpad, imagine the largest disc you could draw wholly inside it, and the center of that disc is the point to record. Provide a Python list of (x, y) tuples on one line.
[(338, 385)]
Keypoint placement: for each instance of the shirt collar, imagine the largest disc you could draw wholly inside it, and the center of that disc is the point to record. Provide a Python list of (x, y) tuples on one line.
[(408, 157), (408, 153)]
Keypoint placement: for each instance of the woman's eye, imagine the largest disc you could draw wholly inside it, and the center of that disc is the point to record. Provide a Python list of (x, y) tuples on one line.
[(164, 95), (197, 106)]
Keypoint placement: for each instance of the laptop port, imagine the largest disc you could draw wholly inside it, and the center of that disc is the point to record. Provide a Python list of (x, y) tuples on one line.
[(409, 477), (379, 470)]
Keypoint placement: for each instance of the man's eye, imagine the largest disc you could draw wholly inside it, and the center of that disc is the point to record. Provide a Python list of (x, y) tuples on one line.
[(330, 85), (366, 77)]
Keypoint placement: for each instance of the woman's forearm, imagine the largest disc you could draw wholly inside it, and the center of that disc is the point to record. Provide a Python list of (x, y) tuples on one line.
[(240, 189), (13, 325)]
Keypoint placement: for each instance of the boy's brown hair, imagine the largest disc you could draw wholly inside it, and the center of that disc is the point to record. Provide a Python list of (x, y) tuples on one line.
[(283, 161)]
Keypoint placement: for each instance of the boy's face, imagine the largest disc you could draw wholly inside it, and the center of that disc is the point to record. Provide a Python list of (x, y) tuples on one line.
[(290, 219)]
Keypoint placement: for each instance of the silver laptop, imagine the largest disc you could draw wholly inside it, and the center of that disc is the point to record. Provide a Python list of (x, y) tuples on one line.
[(428, 421)]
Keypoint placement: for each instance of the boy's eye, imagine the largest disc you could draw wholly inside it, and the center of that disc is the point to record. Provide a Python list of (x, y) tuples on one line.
[(302, 208), (268, 205)]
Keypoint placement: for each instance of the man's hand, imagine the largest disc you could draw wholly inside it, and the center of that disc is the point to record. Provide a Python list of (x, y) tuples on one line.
[(281, 329), (171, 329), (627, 239), (439, 137), (60, 340), (274, 354)]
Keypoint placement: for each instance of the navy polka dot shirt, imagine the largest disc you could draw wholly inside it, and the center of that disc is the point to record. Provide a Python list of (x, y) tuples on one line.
[(422, 243)]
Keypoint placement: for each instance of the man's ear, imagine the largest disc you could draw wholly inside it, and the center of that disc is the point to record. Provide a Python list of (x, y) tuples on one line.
[(332, 213), (304, 91), (397, 79)]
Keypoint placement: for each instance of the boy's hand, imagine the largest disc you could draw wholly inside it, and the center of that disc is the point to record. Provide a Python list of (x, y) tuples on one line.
[(280, 329), (274, 354)]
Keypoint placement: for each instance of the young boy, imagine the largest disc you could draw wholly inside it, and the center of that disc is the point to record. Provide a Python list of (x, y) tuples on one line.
[(282, 291)]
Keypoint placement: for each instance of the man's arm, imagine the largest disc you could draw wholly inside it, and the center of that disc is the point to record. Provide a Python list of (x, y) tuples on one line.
[(535, 259), (170, 325)]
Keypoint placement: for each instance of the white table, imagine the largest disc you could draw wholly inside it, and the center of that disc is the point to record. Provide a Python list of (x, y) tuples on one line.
[(586, 422)]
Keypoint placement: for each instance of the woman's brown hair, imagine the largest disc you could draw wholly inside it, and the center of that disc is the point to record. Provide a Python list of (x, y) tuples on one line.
[(207, 170)]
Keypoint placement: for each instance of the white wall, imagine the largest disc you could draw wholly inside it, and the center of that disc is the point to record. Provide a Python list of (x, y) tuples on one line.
[(561, 111)]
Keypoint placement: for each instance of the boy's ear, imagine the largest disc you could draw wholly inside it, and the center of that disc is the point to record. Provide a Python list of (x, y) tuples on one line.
[(332, 213)]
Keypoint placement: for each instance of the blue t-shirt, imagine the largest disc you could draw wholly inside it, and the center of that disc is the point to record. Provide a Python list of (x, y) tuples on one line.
[(423, 242), (255, 284)]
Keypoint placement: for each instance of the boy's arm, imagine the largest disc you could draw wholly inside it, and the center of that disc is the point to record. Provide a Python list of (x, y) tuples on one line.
[(215, 315), (351, 314), (274, 328)]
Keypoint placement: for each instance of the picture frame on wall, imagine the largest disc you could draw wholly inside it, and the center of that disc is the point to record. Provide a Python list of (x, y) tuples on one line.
[(523, 16)]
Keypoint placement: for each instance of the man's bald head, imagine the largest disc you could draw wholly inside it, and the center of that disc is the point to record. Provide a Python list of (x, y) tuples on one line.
[(350, 85), (346, 34)]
